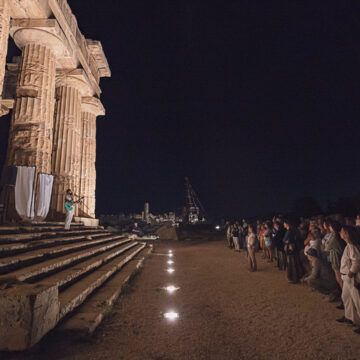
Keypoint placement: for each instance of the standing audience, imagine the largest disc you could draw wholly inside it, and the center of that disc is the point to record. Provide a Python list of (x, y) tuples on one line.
[(331, 255)]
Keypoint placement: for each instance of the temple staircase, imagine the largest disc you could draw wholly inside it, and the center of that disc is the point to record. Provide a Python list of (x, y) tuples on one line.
[(50, 278)]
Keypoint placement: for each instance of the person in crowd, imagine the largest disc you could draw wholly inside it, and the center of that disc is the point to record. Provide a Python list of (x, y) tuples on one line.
[(293, 265), (229, 235), (261, 240), (251, 242), (321, 278), (258, 227), (349, 221), (279, 233), (235, 233), (267, 242), (320, 226), (333, 250), (303, 229), (357, 223), (313, 240), (350, 274), (241, 239), (326, 235), (244, 233)]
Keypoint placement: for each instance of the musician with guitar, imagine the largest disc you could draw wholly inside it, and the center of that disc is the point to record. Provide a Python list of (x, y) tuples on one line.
[(69, 207)]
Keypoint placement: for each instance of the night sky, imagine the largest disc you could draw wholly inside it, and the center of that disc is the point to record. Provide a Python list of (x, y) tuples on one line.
[(257, 102)]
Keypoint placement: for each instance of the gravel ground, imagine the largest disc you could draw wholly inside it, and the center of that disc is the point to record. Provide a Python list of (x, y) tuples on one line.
[(225, 312)]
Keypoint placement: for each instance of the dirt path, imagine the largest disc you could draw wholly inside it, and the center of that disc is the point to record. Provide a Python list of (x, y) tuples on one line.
[(225, 312)]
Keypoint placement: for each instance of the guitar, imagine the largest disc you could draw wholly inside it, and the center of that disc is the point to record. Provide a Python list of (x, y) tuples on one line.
[(69, 205)]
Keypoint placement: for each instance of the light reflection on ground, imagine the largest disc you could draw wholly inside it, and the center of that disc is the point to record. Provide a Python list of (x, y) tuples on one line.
[(171, 288), (170, 270), (171, 315)]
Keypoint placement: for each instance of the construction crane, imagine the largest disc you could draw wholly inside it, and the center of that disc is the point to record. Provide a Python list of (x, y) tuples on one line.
[(193, 211)]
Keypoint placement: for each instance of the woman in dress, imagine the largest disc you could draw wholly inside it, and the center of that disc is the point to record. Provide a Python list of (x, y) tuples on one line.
[(251, 243), (267, 241)]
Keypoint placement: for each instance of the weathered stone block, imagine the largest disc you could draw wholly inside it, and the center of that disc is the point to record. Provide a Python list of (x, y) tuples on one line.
[(27, 313)]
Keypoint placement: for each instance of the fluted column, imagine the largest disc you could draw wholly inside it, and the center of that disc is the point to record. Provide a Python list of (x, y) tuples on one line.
[(91, 108), (4, 35), (31, 129), (66, 159)]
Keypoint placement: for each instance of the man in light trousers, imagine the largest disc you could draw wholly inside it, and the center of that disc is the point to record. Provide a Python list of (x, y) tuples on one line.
[(69, 213)]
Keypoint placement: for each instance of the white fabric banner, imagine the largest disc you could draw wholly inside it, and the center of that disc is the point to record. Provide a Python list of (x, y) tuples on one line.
[(43, 196), (24, 188)]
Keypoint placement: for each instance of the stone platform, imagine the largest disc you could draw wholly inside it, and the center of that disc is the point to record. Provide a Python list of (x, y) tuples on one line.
[(86, 221), (47, 274)]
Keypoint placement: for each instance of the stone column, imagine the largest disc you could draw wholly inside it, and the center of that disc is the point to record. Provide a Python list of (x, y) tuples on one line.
[(4, 35), (66, 159), (31, 129), (91, 108)]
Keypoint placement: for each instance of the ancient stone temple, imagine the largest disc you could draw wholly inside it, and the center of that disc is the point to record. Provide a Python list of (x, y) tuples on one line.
[(54, 94)]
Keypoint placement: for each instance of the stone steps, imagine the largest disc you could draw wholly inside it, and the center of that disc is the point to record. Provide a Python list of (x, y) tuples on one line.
[(24, 237), (70, 274), (10, 249), (88, 317), (76, 294), (15, 229), (25, 266), (44, 281)]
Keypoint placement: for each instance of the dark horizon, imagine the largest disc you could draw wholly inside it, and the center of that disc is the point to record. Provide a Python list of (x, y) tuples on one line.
[(257, 103)]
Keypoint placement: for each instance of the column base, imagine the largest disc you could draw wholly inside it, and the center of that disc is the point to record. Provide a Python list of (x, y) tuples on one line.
[(87, 221)]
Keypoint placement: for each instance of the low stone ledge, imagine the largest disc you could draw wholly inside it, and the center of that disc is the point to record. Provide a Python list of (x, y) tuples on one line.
[(27, 313)]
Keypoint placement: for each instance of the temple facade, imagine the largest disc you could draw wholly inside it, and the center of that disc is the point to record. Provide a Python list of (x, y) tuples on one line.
[(53, 92)]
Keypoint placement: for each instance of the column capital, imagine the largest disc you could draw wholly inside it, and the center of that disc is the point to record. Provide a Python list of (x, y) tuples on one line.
[(5, 106), (92, 105), (74, 78), (45, 32)]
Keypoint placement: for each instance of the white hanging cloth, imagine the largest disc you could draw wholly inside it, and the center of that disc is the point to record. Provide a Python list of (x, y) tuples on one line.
[(24, 192), (43, 196)]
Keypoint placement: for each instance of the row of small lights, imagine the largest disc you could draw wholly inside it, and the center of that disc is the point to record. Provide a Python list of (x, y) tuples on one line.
[(171, 315)]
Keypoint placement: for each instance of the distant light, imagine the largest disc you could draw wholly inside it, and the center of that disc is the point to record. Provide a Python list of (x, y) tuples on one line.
[(171, 289), (171, 315), (217, 227), (170, 262), (170, 270)]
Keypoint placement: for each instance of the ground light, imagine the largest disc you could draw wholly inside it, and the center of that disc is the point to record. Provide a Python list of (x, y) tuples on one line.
[(170, 262), (171, 288), (170, 270), (170, 255), (170, 251), (171, 315)]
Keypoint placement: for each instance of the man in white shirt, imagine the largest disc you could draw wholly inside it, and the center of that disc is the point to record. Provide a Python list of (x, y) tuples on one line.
[(69, 213), (350, 274)]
